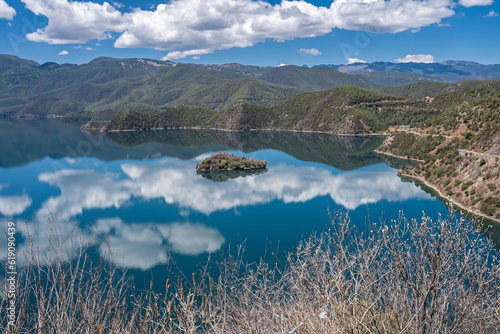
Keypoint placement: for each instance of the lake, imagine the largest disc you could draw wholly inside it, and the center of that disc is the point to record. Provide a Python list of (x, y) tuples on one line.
[(140, 191)]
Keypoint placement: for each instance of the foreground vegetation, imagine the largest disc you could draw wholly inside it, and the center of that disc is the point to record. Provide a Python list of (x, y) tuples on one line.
[(426, 276)]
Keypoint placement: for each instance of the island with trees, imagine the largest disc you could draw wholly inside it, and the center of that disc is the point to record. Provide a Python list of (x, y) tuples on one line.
[(223, 161)]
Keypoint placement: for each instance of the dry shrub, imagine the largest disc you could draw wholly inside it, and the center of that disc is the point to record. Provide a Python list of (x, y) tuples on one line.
[(418, 276)]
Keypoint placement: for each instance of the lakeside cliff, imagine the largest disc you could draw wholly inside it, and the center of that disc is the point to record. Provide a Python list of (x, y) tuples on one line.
[(460, 150)]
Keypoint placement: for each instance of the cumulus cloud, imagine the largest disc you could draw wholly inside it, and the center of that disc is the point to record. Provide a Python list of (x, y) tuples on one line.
[(310, 52), (75, 22), (491, 14), (195, 27), (14, 205), (420, 58), (471, 3), (63, 53), (6, 11), (354, 61), (393, 16)]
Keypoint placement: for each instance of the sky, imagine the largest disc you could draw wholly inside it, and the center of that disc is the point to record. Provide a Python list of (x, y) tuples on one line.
[(264, 33)]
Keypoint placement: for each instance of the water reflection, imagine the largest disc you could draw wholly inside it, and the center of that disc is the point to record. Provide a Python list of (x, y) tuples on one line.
[(107, 187), (177, 183), (133, 245), (34, 140), (225, 175), (145, 245), (14, 205)]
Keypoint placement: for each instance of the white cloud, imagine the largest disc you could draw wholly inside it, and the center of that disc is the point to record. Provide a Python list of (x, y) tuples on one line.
[(196, 57), (63, 53), (310, 52), (14, 205), (88, 48), (281, 65), (393, 16), (354, 61), (6, 11), (195, 27), (75, 22), (117, 4), (471, 3), (420, 58), (491, 13)]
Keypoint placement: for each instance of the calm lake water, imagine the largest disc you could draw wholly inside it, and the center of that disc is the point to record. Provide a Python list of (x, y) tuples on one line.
[(141, 190)]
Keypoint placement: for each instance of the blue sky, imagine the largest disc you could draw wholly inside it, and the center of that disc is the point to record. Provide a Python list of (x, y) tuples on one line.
[(252, 32)]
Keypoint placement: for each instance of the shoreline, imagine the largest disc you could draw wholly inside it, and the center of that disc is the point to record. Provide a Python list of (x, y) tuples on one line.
[(397, 156), (454, 202), (229, 130)]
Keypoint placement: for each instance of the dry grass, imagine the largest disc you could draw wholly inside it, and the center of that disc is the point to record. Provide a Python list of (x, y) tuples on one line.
[(404, 277)]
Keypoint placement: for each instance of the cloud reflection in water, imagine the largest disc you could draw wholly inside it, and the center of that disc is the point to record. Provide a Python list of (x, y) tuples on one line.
[(177, 183), (144, 245)]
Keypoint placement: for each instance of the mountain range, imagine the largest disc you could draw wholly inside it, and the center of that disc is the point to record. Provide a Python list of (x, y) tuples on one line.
[(449, 71), (105, 86)]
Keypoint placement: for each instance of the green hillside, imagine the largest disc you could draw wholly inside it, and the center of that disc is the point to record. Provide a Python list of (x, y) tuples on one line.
[(345, 109), (180, 117), (107, 86), (383, 79), (423, 89), (314, 79)]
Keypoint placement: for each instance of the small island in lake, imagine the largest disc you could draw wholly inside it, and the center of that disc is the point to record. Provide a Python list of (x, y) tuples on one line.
[(223, 161)]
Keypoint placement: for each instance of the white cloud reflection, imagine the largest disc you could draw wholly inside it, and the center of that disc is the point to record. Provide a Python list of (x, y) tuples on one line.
[(144, 245), (14, 205), (133, 245), (176, 183)]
